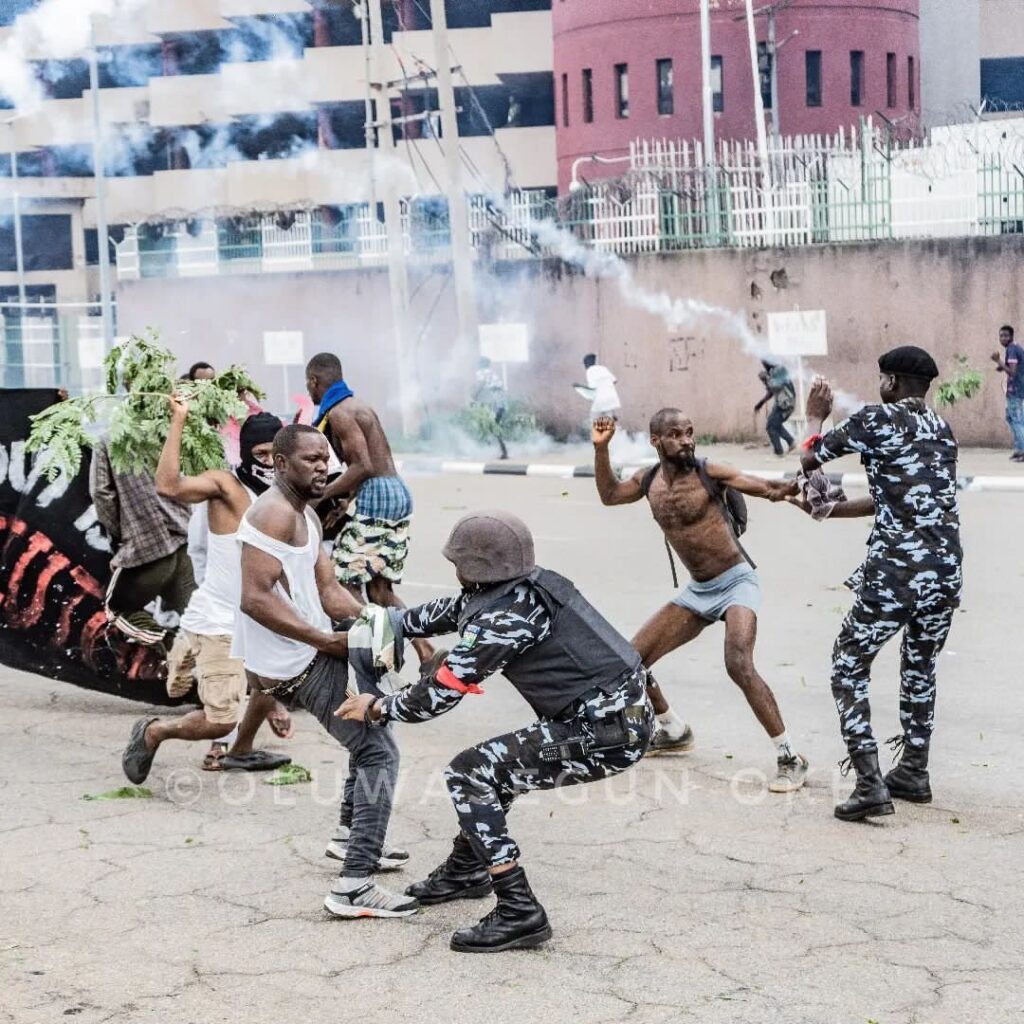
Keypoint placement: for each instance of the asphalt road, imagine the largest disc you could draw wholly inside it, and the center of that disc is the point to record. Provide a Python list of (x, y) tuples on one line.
[(681, 891)]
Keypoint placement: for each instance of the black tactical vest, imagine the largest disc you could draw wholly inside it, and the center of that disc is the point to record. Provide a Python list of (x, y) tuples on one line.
[(582, 652)]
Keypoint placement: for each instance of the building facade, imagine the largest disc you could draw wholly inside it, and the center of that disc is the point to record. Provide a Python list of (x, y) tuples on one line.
[(216, 110), (627, 69)]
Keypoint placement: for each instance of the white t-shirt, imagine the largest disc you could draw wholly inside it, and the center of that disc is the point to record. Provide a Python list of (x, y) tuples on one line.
[(606, 398), (265, 652)]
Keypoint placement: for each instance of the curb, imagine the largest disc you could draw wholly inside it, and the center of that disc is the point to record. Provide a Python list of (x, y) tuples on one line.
[(564, 471)]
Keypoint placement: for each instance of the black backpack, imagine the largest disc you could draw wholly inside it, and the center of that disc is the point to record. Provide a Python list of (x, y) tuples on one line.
[(730, 503)]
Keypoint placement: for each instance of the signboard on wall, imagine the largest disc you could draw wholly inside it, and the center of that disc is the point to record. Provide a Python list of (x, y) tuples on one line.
[(283, 348), (801, 332), (505, 343)]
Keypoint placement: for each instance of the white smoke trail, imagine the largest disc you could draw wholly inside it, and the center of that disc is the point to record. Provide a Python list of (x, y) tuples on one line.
[(58, 29)]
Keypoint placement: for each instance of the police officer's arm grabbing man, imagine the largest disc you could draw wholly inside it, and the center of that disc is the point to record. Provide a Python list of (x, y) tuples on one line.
[(583, 680)]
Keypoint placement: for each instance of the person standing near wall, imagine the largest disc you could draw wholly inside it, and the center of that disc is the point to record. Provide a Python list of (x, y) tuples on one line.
[(778, 386), (601, 381), (1011, 362)]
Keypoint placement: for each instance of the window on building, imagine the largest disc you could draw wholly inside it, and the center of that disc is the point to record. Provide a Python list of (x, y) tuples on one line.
[(622, 90), (911, 84), (717, 84), (666, 100), (890, 80), (764, 74), (812, 70), (565, 100), (588, 95), (856, 78)]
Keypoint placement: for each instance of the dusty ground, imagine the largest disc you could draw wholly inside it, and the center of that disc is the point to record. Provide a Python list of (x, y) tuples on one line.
[(681, 892)]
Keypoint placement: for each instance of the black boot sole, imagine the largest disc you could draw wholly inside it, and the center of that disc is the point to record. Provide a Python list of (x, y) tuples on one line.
[(530, 941), (873, 811), (476, 892), (911, 798)]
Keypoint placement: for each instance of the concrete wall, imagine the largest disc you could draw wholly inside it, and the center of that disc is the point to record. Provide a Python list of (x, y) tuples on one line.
[(949, 296)]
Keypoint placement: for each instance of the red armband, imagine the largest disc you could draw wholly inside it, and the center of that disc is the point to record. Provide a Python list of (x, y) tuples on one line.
[(809, 444), (446, 677)]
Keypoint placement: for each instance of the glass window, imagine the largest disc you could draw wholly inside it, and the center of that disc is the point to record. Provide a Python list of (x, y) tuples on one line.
[(764, 74), (717, 84), (622, 90), (565, 100), (588, 95), (911, 84), (812, 66), (666, 100), (890, 80), (856, 78)]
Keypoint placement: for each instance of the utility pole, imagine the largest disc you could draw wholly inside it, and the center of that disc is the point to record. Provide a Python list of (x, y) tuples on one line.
[(762, 137), (99, 174), (398, 280), (458, 212), (707, 94), (773, 67)]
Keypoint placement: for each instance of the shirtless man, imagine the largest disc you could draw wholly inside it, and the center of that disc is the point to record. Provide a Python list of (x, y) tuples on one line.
[(374, 541), (723, 586), (285, 634)]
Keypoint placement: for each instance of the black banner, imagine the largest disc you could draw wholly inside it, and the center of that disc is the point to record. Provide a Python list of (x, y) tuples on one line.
[(54, 567)]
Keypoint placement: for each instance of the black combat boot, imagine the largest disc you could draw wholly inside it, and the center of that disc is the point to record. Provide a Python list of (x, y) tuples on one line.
[(518, 921), (908, 777), (460, 877), (870, 798)]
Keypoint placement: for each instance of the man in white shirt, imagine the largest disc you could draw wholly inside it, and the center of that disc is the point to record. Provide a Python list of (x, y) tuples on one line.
[(601, 381)]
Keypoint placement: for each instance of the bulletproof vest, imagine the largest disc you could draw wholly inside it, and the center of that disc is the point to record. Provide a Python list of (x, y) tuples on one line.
[(582, 652)]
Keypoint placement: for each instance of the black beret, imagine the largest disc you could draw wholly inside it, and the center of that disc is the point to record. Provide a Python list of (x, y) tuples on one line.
[(909, 361)]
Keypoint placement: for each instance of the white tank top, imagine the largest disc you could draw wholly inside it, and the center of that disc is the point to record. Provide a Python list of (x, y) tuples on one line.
[(266, 653), (213, 606)]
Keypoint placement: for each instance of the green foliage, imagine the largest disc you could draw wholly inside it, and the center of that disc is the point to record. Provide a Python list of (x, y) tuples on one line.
[(481, 424), (140, 376), (124, 793), (289, 775), (965, 383)]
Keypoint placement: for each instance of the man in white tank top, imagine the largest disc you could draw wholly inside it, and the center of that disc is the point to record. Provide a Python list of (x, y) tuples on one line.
[(203, 642), (290, 600)]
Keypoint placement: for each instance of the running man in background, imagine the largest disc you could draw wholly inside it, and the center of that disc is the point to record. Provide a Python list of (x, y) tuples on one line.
[(601, 381), (688, 501), (780, 391), (1011, 362), (371, 550), (912, 575), (203, 643)]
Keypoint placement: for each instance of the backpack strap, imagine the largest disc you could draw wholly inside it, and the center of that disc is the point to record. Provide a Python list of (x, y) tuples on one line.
[(646, 482), (717, 492)]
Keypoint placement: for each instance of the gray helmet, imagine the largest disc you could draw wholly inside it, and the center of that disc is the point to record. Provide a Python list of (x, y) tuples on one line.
[(490, 547)]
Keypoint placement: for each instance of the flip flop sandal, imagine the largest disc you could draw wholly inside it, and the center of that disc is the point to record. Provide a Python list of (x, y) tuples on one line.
[(257, 761), (137, 759), (211, 763)]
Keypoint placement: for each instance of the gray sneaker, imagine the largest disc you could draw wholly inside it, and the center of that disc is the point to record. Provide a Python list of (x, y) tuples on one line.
[(664, 744), (368, 900), (790, 775), (391, 857)]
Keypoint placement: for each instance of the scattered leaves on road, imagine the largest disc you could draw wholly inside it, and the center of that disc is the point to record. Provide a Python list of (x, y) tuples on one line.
[(289, 775), (124, 793)]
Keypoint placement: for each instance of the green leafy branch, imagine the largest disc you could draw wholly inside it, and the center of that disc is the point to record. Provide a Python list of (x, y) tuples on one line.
[(965, 383), (140, 379)]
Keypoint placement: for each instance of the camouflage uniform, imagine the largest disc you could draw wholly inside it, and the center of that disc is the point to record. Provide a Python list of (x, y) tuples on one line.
[(484, 780), (911, 578)]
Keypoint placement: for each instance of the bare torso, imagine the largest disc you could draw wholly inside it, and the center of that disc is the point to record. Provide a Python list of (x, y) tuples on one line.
[(381, 460), (693, 525)]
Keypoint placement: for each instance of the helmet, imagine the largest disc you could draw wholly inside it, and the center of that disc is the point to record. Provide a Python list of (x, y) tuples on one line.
[(490, 547)]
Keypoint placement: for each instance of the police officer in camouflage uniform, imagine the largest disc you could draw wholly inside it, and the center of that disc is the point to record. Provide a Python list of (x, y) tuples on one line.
[(911, 578), (585, 683)]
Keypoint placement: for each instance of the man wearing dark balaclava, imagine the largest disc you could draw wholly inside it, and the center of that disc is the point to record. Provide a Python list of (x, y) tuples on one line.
[(582, 679), (912, 575), (202, 647)]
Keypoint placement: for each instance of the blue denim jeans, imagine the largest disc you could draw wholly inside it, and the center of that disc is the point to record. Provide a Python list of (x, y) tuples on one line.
[(1015, 418)]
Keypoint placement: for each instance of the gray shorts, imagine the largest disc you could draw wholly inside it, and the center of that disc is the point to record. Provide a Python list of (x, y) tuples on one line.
[(713, 598)]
